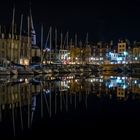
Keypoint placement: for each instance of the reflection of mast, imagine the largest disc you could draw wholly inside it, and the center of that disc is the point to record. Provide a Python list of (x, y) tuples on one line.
[(0, 114), (50, 100), (29, 108), (20, 109), (60, 96), (75, 100), (33, 107), (61, 105), (86, 98), (67, 100), (46, 102), (63, 97), (13, 115), (70, 98), (41, 103), (80, 95), (55, 100)]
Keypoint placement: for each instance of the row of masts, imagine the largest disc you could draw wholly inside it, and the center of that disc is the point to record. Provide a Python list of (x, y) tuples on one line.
[(61, 42)]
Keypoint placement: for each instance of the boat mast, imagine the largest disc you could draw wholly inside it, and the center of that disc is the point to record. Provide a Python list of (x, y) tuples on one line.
[(61, 43), (50, 43), (21, 22), (55, 41), (41, 98), (33, 107), (75, 40), (32, 33), (13, 22), (86, 39), (28, 56), (0, 29), (41, 44), (67, 40)]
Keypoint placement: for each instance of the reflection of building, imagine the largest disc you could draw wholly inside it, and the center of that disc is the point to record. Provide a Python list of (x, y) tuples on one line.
[(18, 93), (63, 85), (136, 89), (120, 92)]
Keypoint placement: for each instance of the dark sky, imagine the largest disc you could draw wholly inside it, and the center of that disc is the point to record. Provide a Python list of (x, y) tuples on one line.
[(104, 20)]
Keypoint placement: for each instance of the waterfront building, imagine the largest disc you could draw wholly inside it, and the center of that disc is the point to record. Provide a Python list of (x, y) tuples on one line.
[(122, 46), (136, 52), (14, 50)]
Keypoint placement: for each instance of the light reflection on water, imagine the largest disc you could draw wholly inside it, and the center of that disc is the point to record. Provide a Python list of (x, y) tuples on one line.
[(26, 100)]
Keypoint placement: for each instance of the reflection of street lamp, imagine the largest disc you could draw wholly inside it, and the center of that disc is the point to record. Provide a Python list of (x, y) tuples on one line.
[(44, 62), (125, 54)]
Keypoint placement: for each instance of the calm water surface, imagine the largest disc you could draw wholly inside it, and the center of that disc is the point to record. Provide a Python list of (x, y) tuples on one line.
[(45, 102)]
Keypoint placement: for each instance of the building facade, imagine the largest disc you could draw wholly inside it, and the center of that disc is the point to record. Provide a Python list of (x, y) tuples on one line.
[(16, 50), (13, 50)]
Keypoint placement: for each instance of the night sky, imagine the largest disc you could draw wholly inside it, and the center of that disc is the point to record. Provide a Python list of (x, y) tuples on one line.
[(104, 20)]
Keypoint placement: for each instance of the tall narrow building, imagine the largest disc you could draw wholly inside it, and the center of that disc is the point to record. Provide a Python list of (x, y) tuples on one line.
[(35, 50)]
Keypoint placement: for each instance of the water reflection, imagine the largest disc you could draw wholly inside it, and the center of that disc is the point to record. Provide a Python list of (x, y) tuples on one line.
[(26, 99)]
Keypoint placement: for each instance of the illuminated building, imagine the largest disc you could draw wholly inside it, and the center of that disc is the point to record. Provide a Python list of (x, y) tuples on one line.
[(13, 50), (63, 56), (122, 46)]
